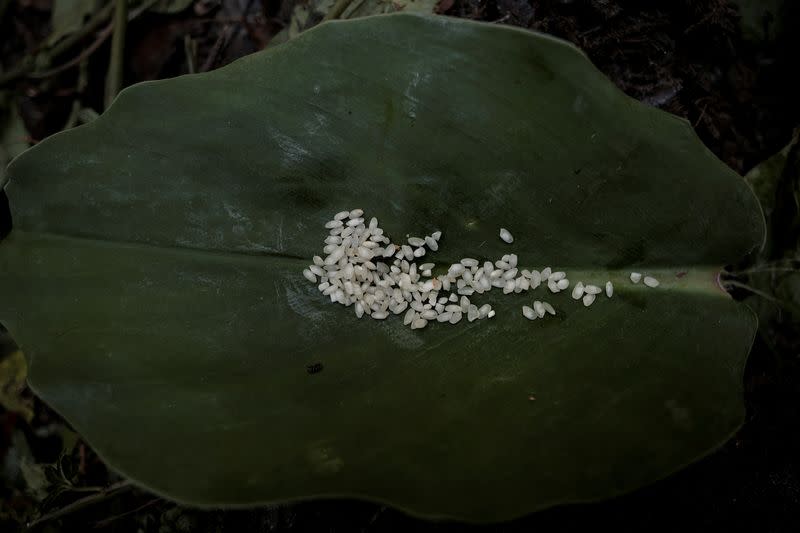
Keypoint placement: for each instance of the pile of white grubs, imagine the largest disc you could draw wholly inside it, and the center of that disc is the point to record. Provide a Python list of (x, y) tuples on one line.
[(365, 269)]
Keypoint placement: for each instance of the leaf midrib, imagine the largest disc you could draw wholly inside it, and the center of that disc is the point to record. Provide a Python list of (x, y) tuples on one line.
[(700, 278)]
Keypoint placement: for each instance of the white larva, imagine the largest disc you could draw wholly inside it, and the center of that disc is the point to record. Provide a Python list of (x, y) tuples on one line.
[(592, 289), (510, 274), (506, 235), (429, 314), (444, 317), (436, 235), (577, 291), (518, 284), (651, 281), (335, 256), (364, 269), (419, 323), (456, 269)]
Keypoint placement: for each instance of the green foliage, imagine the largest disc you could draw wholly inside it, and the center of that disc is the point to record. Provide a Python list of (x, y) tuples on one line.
[(153, 276), (171, 6), (68, 16), (761, 20), (308, 14), (13, 135)]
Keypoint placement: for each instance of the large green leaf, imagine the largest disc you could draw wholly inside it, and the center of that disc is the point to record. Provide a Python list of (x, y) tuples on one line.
[(154, 279)]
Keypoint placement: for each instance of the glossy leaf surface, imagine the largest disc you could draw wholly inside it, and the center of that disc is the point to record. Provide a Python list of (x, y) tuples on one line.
[(153, 277)]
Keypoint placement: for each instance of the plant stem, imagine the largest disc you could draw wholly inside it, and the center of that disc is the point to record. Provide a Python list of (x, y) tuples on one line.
[(101, 38), (117, 62), (95, 22), (190, 49), (27, 63), (757, 270), (336, 10), (745, 286)]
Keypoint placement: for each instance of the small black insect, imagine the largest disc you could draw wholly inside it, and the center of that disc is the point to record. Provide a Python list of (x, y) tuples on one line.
[(314, 368)]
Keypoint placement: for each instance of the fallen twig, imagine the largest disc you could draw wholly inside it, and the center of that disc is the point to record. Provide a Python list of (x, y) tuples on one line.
[(106, 521), (217, 48), (117, 61), (108, 492)]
